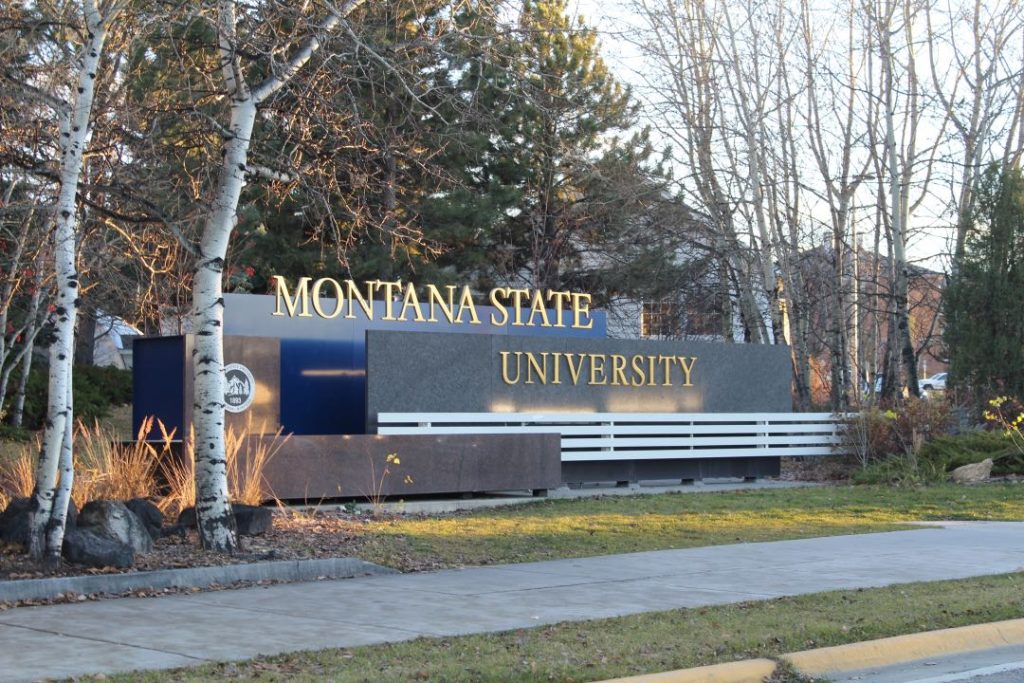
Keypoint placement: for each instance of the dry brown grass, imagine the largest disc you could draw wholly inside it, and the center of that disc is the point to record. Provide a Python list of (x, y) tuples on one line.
[(18, 474), (179, 477), (247, 458), (108, 469)]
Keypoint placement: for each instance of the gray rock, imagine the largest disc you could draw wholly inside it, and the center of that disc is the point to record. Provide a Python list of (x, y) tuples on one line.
[(149, 514), (252, 520), (14, 520), (187, 518), (87, 547), (973, 473), (112, 519)]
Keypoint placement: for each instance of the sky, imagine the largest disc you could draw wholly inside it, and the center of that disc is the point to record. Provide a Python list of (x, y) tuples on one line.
[(932, 232)]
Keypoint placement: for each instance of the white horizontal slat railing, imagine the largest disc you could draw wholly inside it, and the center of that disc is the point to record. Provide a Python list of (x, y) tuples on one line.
[(644, 436)]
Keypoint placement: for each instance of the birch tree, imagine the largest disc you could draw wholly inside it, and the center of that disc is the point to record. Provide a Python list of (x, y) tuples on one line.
[(82, 30), (245, 89), (974, 61)]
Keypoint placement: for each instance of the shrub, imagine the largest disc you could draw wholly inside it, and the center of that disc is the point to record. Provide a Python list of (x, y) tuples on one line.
[(1006, 414), (875, 434), (95, 390), (938, 457), (12, 433)]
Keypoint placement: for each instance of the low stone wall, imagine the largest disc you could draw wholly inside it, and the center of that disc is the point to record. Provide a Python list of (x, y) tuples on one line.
[(315, 467)]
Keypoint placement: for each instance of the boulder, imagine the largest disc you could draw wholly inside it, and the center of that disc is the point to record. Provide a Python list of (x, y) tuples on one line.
[(187, 518), (252, 520), (150, 515), (112, 519), (973, 473), (14, 520), (87, 547)]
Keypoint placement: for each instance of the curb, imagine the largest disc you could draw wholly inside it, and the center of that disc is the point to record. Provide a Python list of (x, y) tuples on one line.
[(908, 648), (747, 671), (854, 656), (192, 577)]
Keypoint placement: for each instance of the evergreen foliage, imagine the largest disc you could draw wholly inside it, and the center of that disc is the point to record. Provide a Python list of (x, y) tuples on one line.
[(984, 317)]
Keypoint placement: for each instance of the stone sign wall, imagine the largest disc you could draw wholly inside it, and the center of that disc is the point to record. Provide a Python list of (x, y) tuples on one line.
[(476, 373)]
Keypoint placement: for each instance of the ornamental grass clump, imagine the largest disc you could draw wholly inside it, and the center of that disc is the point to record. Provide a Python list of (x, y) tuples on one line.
[(247, 452), (107, 468), (17, 474)]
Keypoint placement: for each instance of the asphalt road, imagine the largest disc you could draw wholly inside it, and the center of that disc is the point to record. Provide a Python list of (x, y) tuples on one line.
[(1004, 665)]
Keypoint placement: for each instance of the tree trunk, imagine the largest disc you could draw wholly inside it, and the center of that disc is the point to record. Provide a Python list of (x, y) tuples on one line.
[(46, 526), (30, 330), (213, 509), (85, 339)]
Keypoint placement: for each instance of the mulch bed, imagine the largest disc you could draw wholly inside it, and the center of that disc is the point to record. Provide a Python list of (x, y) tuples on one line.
[(294, 536)]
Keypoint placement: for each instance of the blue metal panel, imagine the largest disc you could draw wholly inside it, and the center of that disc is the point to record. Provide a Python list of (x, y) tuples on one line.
[(158, 382), (323, 388), (323, 361)]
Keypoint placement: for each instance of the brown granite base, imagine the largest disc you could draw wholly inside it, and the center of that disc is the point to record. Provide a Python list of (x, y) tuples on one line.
[(315, 467)]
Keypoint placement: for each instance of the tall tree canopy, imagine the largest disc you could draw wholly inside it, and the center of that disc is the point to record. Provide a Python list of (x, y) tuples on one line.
[(984, 317)]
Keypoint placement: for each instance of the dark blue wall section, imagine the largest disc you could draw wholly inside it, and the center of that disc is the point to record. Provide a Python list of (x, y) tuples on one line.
[(323, 389), (158, 382), (323, 362)]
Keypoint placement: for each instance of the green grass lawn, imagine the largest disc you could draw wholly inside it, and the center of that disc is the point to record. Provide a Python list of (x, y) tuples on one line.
[(613, 524), (661, 641)]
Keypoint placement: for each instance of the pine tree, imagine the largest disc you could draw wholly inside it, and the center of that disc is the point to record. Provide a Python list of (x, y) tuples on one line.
[(984, 319)]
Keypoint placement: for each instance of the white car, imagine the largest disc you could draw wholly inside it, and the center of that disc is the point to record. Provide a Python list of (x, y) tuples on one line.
[(936, 382)]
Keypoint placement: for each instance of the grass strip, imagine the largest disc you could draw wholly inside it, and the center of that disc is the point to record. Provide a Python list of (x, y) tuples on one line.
[(557, 529), (645, 643)]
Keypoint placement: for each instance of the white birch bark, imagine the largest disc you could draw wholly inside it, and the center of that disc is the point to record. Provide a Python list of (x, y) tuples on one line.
[(213, 508), (46, 530)]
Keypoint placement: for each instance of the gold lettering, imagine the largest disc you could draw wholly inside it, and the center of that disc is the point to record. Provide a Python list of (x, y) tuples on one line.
[(619, 371), (434, 299), (650, 375), (355, 296), (301, 296), (638, 371), (666, 363), (574, 372), (559, 299), (532, 366), (517, 302), (687, 368), (556, 375), (597, 368), (504, 367), (338, 298), (391, 291), (581, 310), (537, 306), (466, 303), (411, 301), (499, 291)]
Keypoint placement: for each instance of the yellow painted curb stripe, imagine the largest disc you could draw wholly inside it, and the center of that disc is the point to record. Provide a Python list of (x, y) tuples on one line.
[(899, 649), (747, 671)]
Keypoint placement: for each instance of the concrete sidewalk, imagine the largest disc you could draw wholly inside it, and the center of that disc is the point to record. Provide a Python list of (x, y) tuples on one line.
[(180, 630)]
